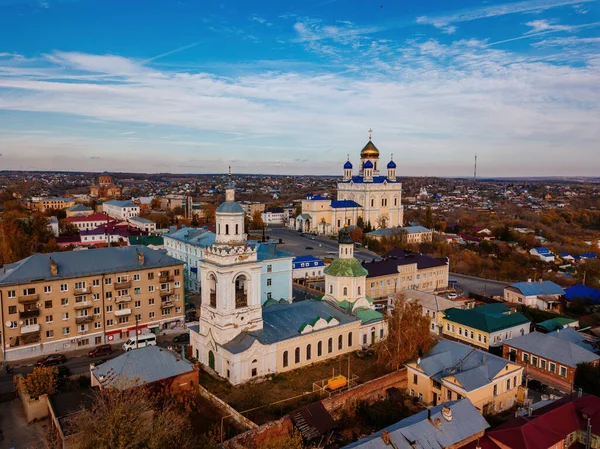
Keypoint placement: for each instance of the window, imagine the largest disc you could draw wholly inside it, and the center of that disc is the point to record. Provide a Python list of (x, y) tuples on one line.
[(65, 331), (138, 317), (381, 334), (96, 283), (12, 310), (151, 302), (49, 318), (331, 289), (460, 331), (479, 337), (269, 282), (151, 288), (495, 390), (358, 290), (340, 343), (109, 308), (269, 268), (345, 291), (109, 295), (79, 285), (449, 395), (108, 281), (49, 334), (123, 319), (364, 339), (330, 345), (47, 289), (96, 297), (285, 359), (472, 335), (150, 276), (543, 364), (177, 271), (137, 291), (415, 379), (151, 315), (552, 367), (525, 358), (177, 284), (136, 277), (562, 372), (64, 287), (508, 385), (109, 323), (308, 352), (350, 339), (65, 316), (138, 304), (534, 360), (11, 294), (297, 355), (448, 327), (96, 310), (515, 382), (97, 325)]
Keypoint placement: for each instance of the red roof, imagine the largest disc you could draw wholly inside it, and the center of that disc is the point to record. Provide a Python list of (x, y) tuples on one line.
[(550, 424), (93, 217)]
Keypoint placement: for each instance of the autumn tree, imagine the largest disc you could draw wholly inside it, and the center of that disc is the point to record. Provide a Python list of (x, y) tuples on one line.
[(408, 333), (257, 221), (209, 211), (42, 380), (155, 203), (132, 418), (67, 228), (357, 234)]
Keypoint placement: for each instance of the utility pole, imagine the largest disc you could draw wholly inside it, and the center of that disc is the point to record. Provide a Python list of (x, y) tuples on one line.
[(136, 331)]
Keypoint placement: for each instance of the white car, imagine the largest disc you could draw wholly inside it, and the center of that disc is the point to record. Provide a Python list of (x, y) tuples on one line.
[(451, 296), (379, 307)]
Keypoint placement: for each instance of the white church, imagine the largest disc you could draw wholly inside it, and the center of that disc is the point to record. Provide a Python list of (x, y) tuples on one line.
[(240, 339)]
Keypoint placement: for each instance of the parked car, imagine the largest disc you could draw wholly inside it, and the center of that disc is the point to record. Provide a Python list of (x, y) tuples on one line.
[(100, 350), (379, 307), (452, 296), (308, 247), (536, 385), (51, 360), (99, 362), (182, 338)]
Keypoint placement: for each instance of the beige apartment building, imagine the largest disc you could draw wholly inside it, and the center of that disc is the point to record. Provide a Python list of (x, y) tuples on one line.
[(403, 270), (53, 203), (60, 302)]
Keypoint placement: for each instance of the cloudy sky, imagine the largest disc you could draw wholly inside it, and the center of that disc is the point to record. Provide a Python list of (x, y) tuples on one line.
[(193, 86)]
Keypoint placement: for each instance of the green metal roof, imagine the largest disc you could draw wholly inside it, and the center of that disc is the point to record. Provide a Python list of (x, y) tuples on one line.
[(345, 268), (368, 315), (556, 323), (146, 240), (488, 318)]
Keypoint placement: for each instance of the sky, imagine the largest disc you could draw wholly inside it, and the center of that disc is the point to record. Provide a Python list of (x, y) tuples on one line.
[(292, 87)]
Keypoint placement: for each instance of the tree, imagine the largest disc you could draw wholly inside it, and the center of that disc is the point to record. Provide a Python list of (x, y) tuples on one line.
[(586, 378), (67, 228), (257, 221), (357, 234), (360, 222), (408, 333), (428, 218), (155, 203), (42, 380), (209, 211), (132, 418)]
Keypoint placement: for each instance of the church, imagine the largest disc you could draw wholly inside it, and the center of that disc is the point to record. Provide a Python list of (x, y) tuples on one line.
[(241, 338), (371, 197)]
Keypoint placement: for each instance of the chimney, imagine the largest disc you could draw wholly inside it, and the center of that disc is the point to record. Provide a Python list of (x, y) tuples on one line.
[(447, 413), (385, 436), (53, 267), (141, 258)]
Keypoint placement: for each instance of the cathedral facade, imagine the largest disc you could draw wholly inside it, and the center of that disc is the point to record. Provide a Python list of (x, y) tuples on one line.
[(371, 196), (240, 338)]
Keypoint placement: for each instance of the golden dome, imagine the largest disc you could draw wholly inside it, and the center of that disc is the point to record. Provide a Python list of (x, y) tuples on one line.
[(370, 151)]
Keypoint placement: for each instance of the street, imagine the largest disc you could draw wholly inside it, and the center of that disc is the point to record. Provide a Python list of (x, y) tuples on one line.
[(480, 286), (294, 243)]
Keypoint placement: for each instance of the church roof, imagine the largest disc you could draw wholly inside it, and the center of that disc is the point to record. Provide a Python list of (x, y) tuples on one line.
[(369, 150), (368, 164), (391, 164), (345, 268), (230, 207), (348, 165), (284, 321), (375, 180), (341, 204)]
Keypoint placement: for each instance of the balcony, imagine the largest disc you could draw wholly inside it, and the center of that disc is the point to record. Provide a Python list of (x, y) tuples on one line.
[(28, 298), (84, 319), (83, 305), (120, 299), (123, 312), (30, 328), (82, 291), (26, 339), (122, 285), (29, 313), (165, 278), (167, 304)]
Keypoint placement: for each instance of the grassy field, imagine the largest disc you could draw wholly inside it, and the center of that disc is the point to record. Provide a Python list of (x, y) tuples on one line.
[(296, 384)]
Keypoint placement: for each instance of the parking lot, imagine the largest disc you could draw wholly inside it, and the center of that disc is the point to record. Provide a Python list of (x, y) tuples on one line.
[(295, 243)]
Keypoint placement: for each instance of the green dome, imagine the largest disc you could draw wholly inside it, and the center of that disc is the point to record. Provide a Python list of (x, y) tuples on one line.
[(346, 268)]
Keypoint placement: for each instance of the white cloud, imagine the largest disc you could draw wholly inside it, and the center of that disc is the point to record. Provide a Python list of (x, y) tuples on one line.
[(546, 25), (432, 105)]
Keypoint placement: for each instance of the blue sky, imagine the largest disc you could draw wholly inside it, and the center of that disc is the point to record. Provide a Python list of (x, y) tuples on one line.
[(293, 87)]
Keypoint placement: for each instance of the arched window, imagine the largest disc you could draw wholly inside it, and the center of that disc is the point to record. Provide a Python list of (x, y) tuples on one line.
[(359, 289), (219, 228), (350, 339), (285, 359), (297, 356), (372, 203), (212, 290), (340, 343), (319, 349), (308, 352), (345, 291), (330, 345), (331, 289), (241, 291), (226, 229), (395, 201), (237, 231)]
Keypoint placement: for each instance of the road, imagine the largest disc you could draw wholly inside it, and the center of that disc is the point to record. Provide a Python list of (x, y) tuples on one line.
[(480, 286), (295, 244), (78, 363)]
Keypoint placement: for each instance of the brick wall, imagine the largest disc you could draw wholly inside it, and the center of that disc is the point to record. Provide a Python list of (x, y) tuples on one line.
[(255, 437)]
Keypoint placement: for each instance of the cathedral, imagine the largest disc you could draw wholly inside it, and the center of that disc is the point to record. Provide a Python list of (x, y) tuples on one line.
[(240, 338), (373, 196)]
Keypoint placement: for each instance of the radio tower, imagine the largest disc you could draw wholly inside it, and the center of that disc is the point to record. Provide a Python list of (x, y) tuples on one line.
[(475, 169)]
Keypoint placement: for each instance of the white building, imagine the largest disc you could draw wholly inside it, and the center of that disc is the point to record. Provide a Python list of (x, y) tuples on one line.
[(433, 307), (121, 210), (241, 338), (142, 223), (90, 222), (277, 216)]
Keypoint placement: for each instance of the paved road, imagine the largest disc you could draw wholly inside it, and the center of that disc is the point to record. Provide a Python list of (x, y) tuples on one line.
[(480, 286), (295, 244)]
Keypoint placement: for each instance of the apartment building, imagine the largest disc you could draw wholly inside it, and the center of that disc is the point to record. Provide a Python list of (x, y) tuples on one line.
[(53, 203), (452, 371), (121, 210), (64, 301), (403, 270), (89, 222)]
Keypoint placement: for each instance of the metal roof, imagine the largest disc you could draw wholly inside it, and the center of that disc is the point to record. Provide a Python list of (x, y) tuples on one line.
[(376, 180), (582, 291), (341, 204), (75, 264), (429, 429), (538, 288), (551, 346), (345, 268), (284, 321), (141, 366), (488, 318), (121, 203), (429, 300), (472, 367), (193, 236), (230, 207)]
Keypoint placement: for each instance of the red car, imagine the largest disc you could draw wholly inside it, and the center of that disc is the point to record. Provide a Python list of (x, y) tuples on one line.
[(100, 350), (51, 360)]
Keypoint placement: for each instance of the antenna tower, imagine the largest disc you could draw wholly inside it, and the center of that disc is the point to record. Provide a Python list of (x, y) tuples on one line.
[(475, 169)]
